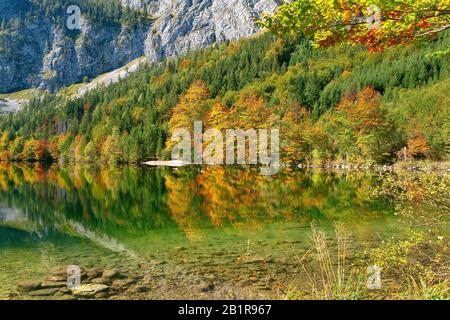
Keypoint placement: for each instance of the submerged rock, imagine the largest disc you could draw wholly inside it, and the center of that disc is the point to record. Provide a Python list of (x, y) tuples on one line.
[(101, 295), (57, 279), (110, 274), (141, 289), (93, 273), (62, 297), (89, 290), (204, 287), (105, 281), (59, 272), (122, 283), (29, 285), (53, 284), (43, 292)]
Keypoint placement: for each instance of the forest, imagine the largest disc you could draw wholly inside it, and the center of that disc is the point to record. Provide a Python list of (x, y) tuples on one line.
[(99, 11), (335, 103)]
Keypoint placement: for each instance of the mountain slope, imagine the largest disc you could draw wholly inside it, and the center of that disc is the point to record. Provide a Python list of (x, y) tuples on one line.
[(341, 102)]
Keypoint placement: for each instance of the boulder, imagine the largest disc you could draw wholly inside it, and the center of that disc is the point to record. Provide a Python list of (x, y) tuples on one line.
[(110, 274), (64, 297), (140, 289), (89, 290), (93, 273), (57, 278), (28, 285), (122, 283), (53, 284), (204, 287), (105, 281), (101, 295), (43, 292), (59, 271)]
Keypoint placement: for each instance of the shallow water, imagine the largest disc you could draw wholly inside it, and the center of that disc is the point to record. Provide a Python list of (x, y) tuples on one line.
[(179, 227)]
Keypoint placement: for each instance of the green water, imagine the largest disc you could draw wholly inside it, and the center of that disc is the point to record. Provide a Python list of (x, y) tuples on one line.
[(178, 226)]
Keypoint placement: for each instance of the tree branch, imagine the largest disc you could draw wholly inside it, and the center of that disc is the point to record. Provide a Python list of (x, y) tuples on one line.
[(434, 31)]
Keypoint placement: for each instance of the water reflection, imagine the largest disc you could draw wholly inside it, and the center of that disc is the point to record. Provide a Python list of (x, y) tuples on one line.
[(134, 216), (135, 200)]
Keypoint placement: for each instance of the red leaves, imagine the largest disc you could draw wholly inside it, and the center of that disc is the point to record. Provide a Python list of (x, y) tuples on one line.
[(42, 151), (373, 40), (424, 24), (363, 110)]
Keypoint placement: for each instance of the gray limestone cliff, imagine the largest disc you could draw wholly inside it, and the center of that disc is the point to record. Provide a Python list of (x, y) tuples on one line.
[(38, 52)]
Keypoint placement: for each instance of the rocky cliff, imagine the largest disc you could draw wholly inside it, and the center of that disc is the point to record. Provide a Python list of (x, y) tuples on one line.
[(38, 51)]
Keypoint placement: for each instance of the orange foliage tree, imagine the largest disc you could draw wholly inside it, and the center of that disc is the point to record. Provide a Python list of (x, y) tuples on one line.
[(192, 106), (417, 146), (361, 128)]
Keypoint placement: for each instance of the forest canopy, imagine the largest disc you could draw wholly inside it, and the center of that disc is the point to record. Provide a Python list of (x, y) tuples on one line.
[(330, 104)]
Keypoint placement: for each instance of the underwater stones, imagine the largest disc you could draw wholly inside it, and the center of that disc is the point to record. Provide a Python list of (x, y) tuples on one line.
[(64, 297), (59, 271), (101, 280), (57, 279), (140, 289), (95, 284), (253, 278), (111, 274), (64, 290), (101, 295), (89, 290), (53, 284), (204, 287), (43, 292), (93, 273), (28, 285), (122, 283)]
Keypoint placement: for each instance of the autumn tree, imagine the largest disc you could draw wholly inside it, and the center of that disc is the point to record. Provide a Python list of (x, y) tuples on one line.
[(218, 116), (28, 152), (111, 150), (192, 106), (296, 130), (361, 128), (77, 148), (417, 146), (4, 141), (42, 151), (251, 111), (373, 23), (16, 147), (90, 152), (322, 144)]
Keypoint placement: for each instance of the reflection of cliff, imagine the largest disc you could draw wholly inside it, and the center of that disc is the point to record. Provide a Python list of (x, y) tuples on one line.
[(14, 218), (111, 202), (102, 239), (15, 221)]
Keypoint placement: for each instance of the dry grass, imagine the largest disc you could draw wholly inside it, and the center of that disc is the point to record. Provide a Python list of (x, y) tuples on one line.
[(334, 281)]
